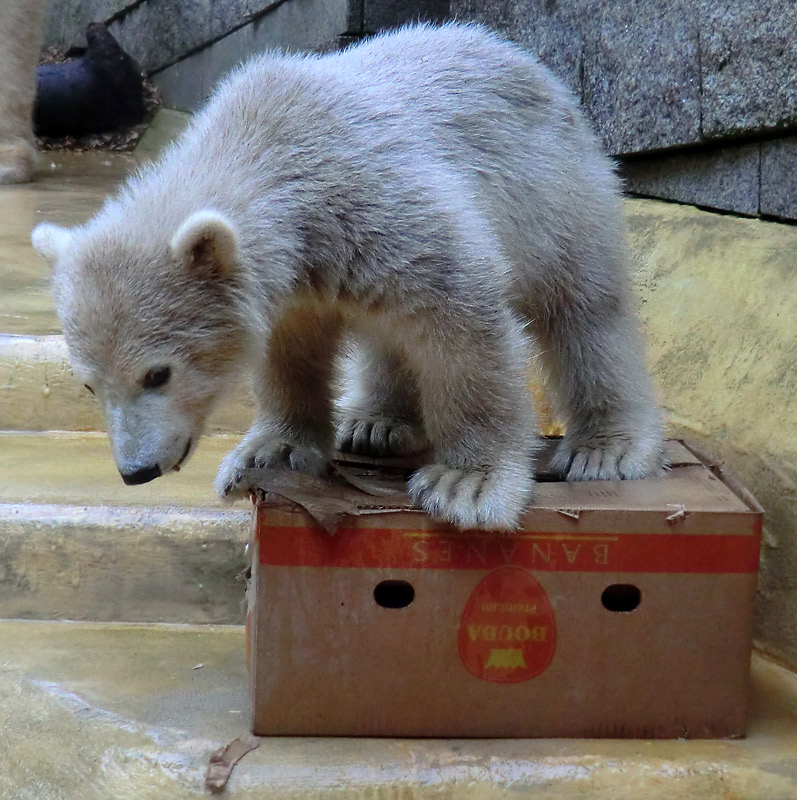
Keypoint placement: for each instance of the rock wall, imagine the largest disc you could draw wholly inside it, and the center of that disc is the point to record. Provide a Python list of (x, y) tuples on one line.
[(697, 97), (188, 47)]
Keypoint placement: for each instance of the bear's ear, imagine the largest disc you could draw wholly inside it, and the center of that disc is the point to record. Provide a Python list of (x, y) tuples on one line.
[(206, 243), (51, 241)]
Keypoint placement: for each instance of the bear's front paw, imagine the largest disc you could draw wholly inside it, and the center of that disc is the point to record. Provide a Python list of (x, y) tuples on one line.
[(379, 436), (232, 479), (491, 498), (608, 458)]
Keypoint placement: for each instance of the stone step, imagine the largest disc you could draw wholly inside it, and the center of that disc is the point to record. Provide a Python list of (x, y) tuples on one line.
[(38, 391), (77, 468), (76, 543), (101, 711)]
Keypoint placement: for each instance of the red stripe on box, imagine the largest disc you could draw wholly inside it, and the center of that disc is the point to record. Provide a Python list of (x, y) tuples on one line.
[(594, 552)]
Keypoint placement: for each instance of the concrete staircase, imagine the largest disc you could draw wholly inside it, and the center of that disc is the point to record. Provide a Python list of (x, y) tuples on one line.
[(170, 552), (117, 706)]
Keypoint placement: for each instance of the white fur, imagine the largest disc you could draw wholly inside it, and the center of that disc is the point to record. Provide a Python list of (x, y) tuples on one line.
[(51, 240), (431, 200), (21, 32)]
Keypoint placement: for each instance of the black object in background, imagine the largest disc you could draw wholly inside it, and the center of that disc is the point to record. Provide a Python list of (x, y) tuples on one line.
[(101, 90)]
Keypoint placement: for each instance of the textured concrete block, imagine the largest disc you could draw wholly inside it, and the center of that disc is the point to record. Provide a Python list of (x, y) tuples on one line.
[(292, 26), (159, 32), (158, 37), (725, 178), (779, 177), (68, 19), (641, 74), (749, 66), (550, 30), (381, 14)]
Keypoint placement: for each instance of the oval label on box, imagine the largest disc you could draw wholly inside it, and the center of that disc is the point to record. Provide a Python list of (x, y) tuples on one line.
[(507, 633)]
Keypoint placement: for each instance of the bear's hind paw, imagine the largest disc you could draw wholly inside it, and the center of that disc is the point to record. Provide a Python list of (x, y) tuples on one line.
[(379, 437)]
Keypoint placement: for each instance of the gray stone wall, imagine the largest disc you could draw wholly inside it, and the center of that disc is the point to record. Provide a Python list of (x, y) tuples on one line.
[(295, 26), (657, 75), (68, 19), (672, 87), (188, 46), (696, 98), (159, 33)]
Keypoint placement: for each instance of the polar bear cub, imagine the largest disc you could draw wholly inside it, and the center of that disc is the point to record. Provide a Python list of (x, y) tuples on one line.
[(431, 200)]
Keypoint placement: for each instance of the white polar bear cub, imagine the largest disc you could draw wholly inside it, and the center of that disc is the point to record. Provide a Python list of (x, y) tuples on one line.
[(433, 198)]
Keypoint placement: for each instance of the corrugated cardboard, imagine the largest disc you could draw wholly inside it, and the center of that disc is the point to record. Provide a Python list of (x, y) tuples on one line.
[(621, 609)]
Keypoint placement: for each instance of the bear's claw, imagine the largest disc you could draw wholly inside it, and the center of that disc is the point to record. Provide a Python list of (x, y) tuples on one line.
[(231, 480), (490, 498), (608, 458), (379, 437)]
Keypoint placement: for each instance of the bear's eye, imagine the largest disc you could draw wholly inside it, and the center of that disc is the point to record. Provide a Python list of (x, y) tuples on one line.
[(86, 386), (157, 377)]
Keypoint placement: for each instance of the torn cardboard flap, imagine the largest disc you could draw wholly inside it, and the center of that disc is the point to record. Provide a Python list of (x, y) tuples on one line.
[(358, 485), (349, 490), (223, 760)]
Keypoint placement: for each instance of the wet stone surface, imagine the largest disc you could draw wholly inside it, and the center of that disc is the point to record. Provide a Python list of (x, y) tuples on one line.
[(129, 711)]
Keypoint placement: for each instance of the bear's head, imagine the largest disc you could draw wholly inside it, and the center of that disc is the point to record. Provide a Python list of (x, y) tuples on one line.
[(153, 327)]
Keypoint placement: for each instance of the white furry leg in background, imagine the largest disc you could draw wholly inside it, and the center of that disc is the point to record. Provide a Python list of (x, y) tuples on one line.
[(21, 33)]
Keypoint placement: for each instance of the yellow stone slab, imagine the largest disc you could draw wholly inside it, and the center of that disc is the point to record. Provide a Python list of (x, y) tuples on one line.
[(123, 563), (719, 303), (77, 469), (109, 711)]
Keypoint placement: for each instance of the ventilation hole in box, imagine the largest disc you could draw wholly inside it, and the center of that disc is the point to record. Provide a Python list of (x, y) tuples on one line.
[(621, 597), (394, 594)]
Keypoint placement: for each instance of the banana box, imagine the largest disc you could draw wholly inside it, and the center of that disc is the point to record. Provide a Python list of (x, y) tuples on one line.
[(620, 609)]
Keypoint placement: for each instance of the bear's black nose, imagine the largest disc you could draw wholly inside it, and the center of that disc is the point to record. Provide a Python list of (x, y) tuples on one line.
[(141, 475)]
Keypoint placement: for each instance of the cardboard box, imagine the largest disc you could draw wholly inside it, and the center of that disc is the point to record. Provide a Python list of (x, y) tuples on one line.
[(622, 609)]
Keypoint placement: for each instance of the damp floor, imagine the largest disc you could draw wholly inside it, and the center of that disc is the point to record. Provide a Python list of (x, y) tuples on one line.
[(112, 712)]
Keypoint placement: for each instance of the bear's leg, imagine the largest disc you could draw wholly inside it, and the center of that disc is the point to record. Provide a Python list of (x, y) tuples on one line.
[(477, 413), (594, 354), (21, 33), (380, 411), (293, 391)]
